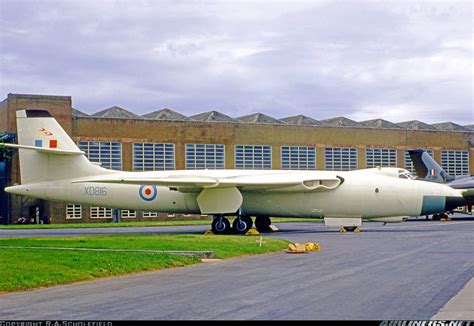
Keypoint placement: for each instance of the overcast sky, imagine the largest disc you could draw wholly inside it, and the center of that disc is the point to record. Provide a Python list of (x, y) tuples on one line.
[(396, 60)]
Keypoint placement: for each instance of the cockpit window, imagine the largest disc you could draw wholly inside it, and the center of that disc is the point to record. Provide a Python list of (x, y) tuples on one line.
[(404, 174)]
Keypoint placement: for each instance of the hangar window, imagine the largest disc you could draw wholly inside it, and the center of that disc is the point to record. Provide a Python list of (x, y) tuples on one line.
[(108, 154), (153, 156), (125, 213), (298, 158), (205, 156), (253, 157), (455, 162), (385, 157), (409, 164), (101, 212), (73, 211), (340, 158), (150, 214)]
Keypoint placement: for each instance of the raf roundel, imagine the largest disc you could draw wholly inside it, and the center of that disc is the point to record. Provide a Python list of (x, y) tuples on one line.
[(148, 193)]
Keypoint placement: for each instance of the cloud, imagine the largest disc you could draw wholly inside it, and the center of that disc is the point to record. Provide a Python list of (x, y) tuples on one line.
[(398, 60)]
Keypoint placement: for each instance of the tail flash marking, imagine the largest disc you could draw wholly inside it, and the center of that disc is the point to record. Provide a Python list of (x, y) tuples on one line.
[(53, 143)]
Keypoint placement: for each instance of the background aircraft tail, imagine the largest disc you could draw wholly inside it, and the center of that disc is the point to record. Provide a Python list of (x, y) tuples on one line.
[(427, 168), (47, 152)]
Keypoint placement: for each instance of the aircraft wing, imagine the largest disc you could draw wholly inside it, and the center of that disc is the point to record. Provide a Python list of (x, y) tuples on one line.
[(276, 182), (221, 195), (172, 181)]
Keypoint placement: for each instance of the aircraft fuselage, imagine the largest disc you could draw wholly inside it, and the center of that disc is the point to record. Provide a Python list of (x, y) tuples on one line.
[(362, 194)]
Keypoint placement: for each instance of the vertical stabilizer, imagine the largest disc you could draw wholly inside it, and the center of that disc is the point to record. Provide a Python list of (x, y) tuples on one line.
[(427, 168), (38, 129)]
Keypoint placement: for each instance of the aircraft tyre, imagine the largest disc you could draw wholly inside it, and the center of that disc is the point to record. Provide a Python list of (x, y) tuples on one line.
[(436, 217), (242, 224), (262, 223), (220, 225)]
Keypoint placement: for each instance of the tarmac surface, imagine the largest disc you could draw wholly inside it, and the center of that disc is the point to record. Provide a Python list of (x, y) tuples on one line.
[(397, 271)]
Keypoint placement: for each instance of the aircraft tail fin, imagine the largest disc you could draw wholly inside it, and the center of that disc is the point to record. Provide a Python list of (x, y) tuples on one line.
[(427, 168), (46, 151)]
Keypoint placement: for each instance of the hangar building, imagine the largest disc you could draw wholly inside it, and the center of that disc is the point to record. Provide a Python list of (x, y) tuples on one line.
[(164, 139)]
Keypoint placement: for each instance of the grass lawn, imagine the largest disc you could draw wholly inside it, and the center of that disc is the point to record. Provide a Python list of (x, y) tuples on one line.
[(139, 223), (23, 269)]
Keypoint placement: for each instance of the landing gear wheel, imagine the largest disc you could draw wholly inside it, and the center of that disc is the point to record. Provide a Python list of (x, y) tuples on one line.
[(242, 224), (220, 225), (436, 217), (262, 223), (248, 220)]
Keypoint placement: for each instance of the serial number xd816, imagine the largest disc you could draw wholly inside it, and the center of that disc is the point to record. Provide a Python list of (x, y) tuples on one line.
[(95, 191)]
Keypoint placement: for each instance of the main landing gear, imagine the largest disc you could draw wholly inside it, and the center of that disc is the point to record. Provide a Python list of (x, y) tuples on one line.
[(262, 223), (241, 225), (220, 225)]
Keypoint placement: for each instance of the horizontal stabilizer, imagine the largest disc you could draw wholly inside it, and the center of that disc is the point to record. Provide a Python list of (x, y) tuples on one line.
[(46, 150)]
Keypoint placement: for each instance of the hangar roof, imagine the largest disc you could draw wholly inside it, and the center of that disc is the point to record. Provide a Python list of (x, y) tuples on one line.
[(342, 122), (415, 125), (116, 112), (450, 126), (302, 120), (213, 116), (381, 123), (77, 113), (259, 118), (470, 127), (165, 114)]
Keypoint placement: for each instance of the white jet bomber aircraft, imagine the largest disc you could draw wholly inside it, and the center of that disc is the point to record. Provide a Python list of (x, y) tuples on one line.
[(52, 167)]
